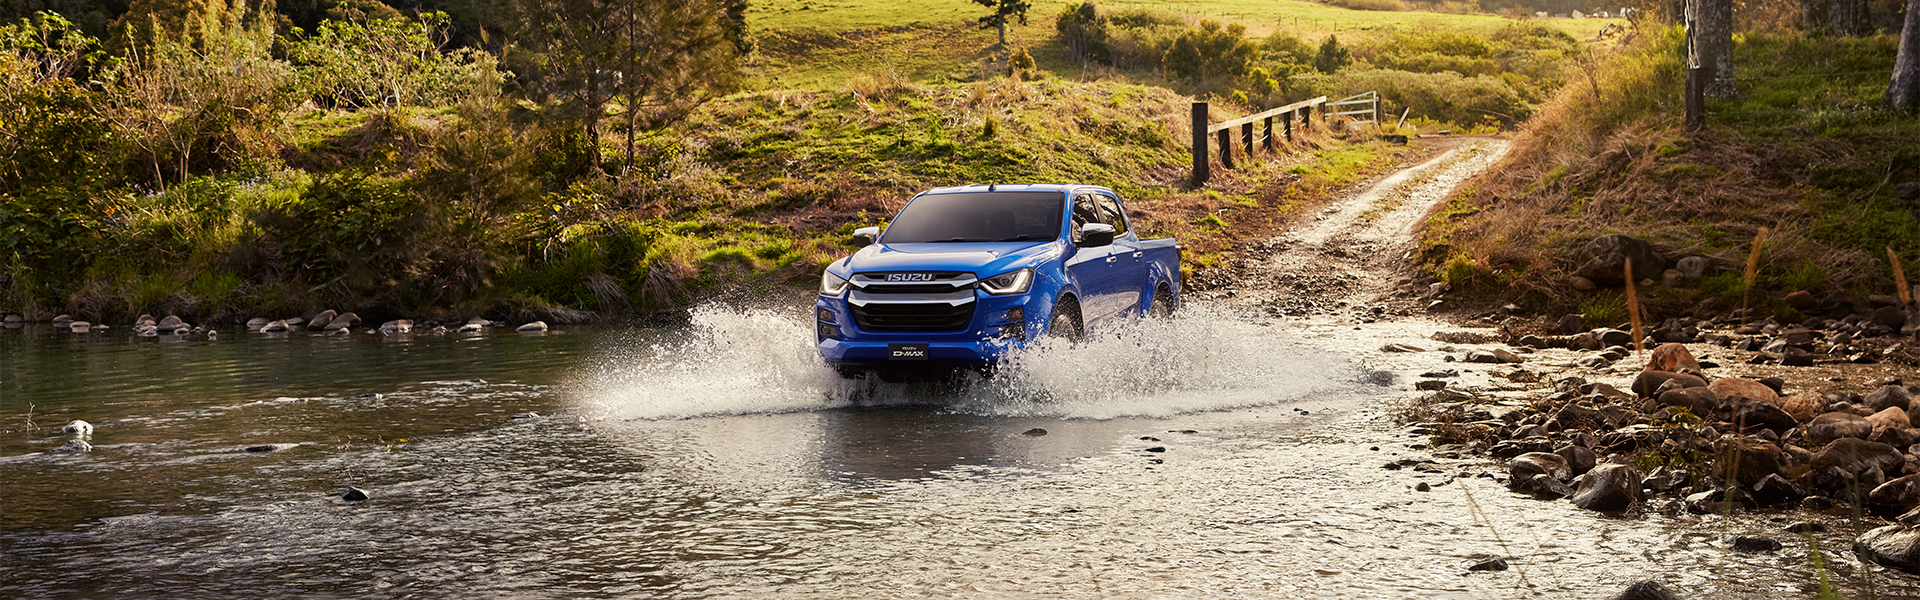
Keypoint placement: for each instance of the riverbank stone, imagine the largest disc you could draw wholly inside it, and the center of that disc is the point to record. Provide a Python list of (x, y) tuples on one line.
[(534, 327), (1835, 425), (1893, 546), (320, 321), (1734, 391), (1648, 383), (1609, 488), (1645, 590), (1890, 396)]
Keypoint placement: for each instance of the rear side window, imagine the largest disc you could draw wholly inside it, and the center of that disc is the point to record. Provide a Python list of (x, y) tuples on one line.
[(977, 217), (1110, 214)]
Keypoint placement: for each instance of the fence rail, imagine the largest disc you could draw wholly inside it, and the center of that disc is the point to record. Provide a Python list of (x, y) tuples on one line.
[(1370, 99), (1206, 134)]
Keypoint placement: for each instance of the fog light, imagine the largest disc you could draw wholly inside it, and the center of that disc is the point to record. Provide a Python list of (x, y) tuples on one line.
[(828, 331), (1017, 314), (825, 315), (1013, 331)]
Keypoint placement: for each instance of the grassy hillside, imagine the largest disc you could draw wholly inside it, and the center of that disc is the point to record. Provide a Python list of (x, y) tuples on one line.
[(1809, 152)]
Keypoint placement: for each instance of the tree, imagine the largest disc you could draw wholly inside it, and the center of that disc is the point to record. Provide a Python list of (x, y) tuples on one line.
[(1713, 39), (1211, 57), (1332, 56), (659, 57), (1004, 10), (384, 63), (1083, 32), (1904, 91)]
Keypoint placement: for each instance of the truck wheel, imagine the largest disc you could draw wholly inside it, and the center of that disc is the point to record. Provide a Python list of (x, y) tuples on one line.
[(1066, 320), (1162, 303)]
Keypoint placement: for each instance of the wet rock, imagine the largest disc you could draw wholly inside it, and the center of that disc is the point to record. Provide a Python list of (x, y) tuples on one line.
[(1805, 407), (1735, 391), (1700, 401), (73, 446), (1751, 544), (470, 328), (1157, 449), (261, 448), (254, 324), (78, 427), (1774, 490), (534, 327), (1572, 324), (1895, 497), (1514, 448), (1836, 425), (397, 326), (1806, 527), (1645, 590), (1429, 385), (274, 326), (354, 494), (1522, 468), (1895, 546), (1439, 374), (1817, 503), (1609, 488), (1890, 317), (171, 323), (321, 320), (1034, 432), (1401, 348), (1546, 487), (1801, 300), (1648, 383), (1795, 357), (342, 322), (1674, 358), (1613, 337), (1603, 260), (1856, 457), (1422, 487), (1746, 459), (1891, 418), (1890, 396), (1580, 459), (1760, 415), (1496, 564)]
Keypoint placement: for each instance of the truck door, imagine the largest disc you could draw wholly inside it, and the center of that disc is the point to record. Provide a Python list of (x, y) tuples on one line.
[(1125, 258), (1089, 267)]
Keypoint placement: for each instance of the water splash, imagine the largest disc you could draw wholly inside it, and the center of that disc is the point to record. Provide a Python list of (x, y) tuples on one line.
[(746, 361)]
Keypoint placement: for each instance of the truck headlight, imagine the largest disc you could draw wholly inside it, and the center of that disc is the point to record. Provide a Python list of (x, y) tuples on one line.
[(831, 284), (1010, 282)]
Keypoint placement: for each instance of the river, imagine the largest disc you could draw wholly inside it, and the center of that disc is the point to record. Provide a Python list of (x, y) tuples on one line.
[(1216, 455)]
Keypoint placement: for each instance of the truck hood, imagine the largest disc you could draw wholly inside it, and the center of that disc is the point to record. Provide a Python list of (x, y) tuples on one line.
[(984, 259)]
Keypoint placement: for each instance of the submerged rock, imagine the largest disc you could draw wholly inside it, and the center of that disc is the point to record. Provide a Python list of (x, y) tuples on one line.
[(536, 326), (321, 320), (78, 427), (1036, 432), (74, 446), (1645, 590), (1496, 564), (354, 494), (1750, 544)]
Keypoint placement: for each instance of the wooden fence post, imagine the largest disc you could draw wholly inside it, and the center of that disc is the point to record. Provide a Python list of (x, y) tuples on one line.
[(1267, 139), (1286, 122), (1246, 138), (1226, 148), (1199, 144), (1378, 120)]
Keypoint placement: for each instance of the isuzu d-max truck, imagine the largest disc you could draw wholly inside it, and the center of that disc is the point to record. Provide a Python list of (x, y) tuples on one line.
[(963, 275)]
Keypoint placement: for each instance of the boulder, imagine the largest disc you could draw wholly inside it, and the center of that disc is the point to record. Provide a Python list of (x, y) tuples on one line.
[(1603, 260), (1673, 358), (1895, 497), (1701, 401), (1748, 460), (1582, 415), (1647, 384), (342, 322), (1774, 490), (1736, 391), (1892, 418), (254, 324), (1572, 324), (73, 446), (1645, 590), (1760, 415), (1890, 317), (1613, 337), (1890, 396), (1580, 459), (321, 320), (1856, 457), (1895, 546), (1609, 488), (1545, 487), (470, 328), (78, 427), (171, 323), (1584, 341), (538, 326), (397, 326), (1693, 267), (1523, 467), (1826, 428), (1805, 407)]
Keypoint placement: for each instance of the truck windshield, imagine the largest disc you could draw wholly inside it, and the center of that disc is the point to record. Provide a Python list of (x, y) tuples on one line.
[(978, 217)]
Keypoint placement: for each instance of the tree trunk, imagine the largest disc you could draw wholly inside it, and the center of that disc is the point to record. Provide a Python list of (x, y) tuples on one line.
[(1848, 17), (1904, 92), (1715, 40)]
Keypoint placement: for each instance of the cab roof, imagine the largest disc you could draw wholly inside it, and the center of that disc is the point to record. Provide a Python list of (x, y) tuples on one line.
[(1015, 187)]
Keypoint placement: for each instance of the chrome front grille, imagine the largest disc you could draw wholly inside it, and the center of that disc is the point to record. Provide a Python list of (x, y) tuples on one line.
[(912, 301)]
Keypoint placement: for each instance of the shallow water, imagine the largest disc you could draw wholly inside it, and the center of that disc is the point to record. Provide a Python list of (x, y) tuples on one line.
[(721, 460)]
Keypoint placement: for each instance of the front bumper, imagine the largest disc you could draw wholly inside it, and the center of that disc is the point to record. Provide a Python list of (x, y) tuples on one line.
[(1000, 324)]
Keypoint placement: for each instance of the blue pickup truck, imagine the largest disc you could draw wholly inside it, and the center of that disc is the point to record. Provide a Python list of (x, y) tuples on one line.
[(963, 275)]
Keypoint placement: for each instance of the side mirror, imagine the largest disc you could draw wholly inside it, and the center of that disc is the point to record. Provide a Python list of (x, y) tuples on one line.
[(865, 236), (1094, 235)]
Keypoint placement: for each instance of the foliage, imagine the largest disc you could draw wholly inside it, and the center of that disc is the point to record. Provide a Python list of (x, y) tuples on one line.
[(1083, 32), (384, 63), (1212, 57), (1332, 57), (1004, 12)]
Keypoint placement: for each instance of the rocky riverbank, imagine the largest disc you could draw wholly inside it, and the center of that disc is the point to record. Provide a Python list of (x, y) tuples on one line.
[(326, 322), (1723, 415)]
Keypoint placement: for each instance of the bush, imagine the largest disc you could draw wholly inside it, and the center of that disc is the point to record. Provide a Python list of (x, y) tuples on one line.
[(1211, 58)]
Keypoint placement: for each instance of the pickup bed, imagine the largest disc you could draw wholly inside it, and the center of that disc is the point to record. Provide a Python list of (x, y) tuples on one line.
[(964, 275)]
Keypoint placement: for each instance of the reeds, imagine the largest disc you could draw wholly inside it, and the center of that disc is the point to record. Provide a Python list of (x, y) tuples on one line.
[(1633, 307), (1753, 270)]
